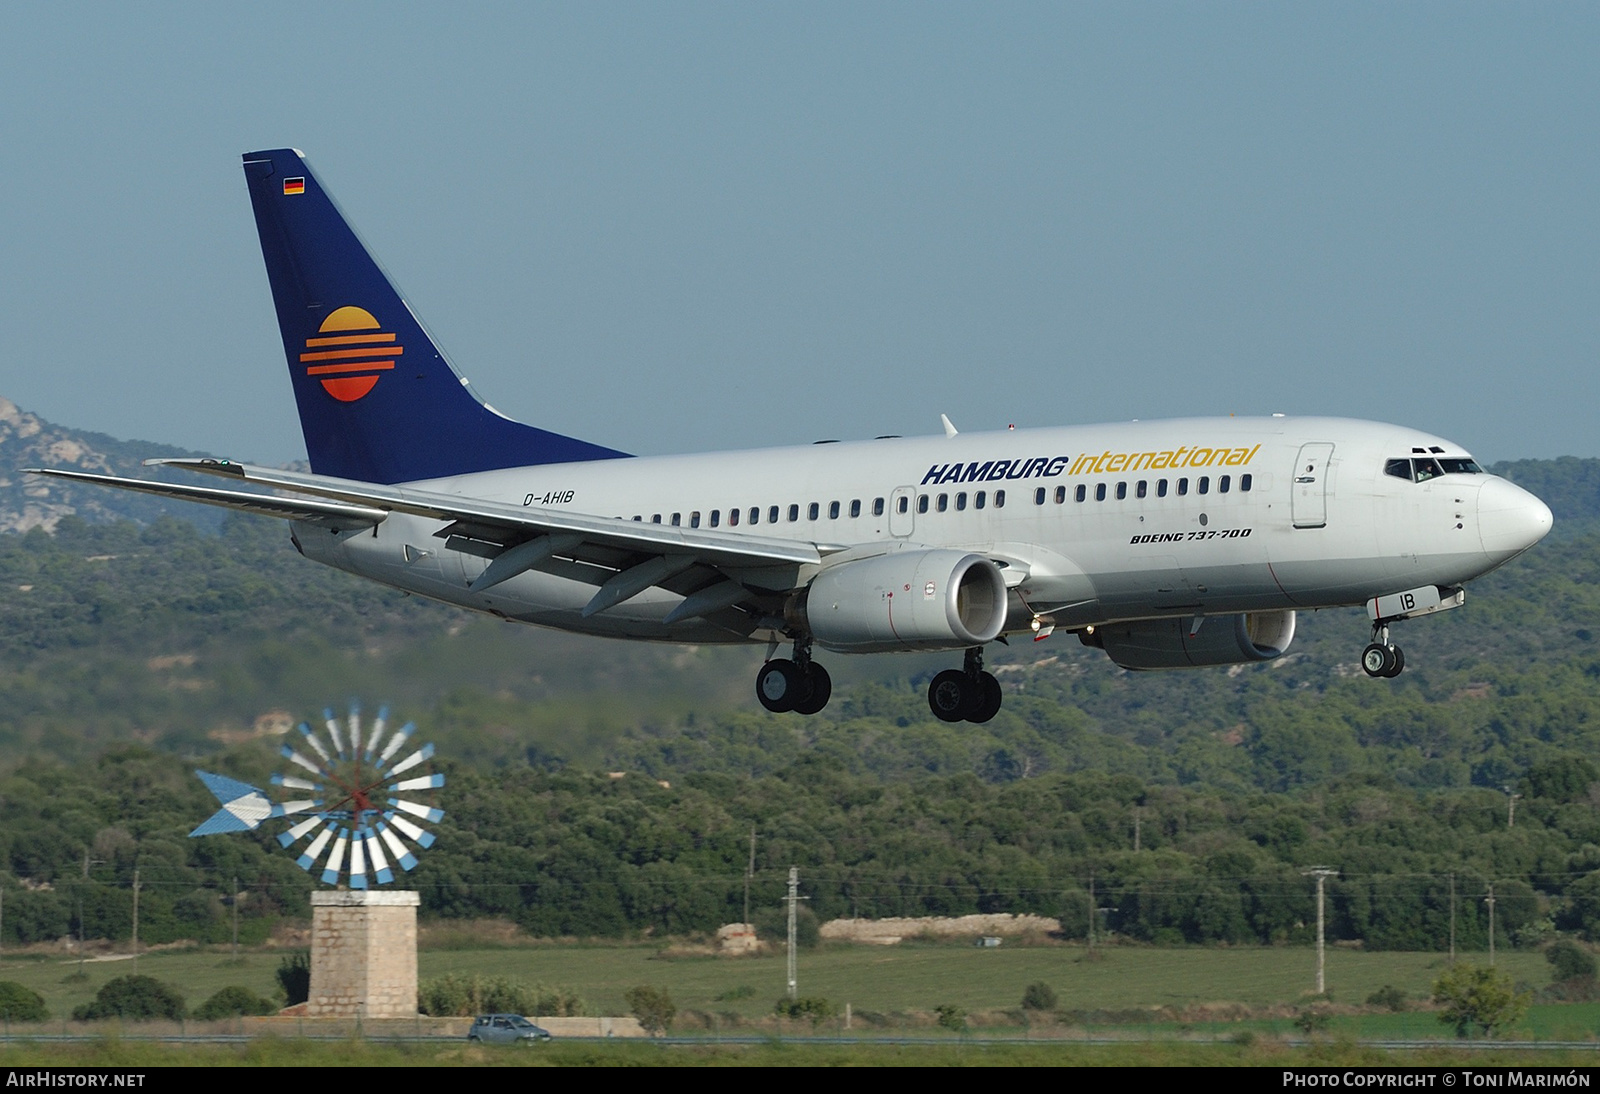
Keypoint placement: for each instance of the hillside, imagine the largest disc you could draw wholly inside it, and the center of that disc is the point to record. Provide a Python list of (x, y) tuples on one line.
[(132, 653)]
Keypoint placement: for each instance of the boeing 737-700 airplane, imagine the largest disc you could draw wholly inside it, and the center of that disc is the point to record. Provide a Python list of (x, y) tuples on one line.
[(1168, 544)]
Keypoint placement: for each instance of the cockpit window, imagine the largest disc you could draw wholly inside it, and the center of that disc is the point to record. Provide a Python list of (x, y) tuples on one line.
[(1423, 468)]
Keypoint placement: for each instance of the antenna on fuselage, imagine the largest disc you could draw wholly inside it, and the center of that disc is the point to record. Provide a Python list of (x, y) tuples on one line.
[(949, 429)]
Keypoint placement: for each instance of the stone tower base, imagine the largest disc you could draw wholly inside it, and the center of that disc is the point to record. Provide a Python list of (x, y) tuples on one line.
[(363, 955)]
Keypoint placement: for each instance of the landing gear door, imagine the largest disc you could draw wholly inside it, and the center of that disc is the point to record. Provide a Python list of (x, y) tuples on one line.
[(902, 518), (1309, 500)]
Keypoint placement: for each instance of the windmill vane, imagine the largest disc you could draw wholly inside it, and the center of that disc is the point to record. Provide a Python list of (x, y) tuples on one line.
[(354, 805)]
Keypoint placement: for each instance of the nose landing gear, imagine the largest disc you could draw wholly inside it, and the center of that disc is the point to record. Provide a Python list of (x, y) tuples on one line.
[(800, 685), (966, 694), (1382, 658)]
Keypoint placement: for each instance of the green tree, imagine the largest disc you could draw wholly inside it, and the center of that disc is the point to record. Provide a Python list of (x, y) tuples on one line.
[(294, 977), (1039, 996), (1570, 961), (1481, 999), (652, 1006), (137, 998), (233, 1001), (20, 1004)]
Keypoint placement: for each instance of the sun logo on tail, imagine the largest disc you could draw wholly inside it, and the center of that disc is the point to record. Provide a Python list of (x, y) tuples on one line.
[(348, 352)]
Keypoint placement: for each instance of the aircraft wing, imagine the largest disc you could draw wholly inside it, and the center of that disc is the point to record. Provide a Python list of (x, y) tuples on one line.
[(338, 515), (712, 570)]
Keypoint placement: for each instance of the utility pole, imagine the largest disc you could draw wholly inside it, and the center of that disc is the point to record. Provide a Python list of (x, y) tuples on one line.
[(794, 898), (235, 902), (1452, 919), (749, 871), (1489, 900), (1091, 913), (1322, 874), (135, 919), (1136, 829), (1511, 806)]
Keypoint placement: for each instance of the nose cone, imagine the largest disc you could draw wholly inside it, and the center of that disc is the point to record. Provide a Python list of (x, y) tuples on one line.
[(1510, 520)]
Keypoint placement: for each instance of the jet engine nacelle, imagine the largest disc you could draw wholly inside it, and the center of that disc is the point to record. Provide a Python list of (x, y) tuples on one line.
[(906, 600), (1220, 640)]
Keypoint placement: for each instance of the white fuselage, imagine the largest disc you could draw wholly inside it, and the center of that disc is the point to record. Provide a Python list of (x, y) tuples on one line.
[(1182, 517)]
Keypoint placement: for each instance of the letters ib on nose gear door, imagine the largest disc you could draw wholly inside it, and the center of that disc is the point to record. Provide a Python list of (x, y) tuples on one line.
[(1309, 500)]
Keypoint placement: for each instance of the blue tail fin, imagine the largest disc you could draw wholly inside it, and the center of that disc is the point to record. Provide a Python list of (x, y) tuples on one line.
[(378, 400)]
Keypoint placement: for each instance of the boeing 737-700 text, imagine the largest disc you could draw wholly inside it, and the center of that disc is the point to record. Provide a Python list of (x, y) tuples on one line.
[(1168, 544)]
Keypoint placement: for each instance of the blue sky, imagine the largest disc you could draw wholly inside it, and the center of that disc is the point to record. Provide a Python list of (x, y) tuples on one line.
[(671, 227)]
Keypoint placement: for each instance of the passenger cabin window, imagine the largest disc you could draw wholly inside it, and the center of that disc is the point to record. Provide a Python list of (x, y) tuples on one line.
[(855, 506), (944, 502), (833, 510), (961, 500), (755, 514), (1061, 494), (999, 499), (1038, 496), (694, 519), (677, 519), (1099, 491), (1222, 484), (1143, 488), (794, 512), (877, 506), (978, 499), (655, 518), (1161, 488), (1244, 483), (1083, 492), (733, 518), (922, 503), (813, 511), (716, 517), (1183, 487), (1122, 491), (1204, 484), (772, 515)]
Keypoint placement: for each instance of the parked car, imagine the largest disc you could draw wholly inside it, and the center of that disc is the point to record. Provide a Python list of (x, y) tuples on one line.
[(505, 1029)]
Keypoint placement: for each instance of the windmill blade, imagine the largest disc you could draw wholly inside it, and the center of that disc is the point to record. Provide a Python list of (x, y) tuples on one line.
[(358, 862), (401, 736), (426, 782), (309, 858), (300, 761), (316, 745), (377, 733), (333, 732), (380, 866), (404, 857), (335, 864), (299, 830), (416, 809), (423, 753), (354, 722), (289, 809), (294, 782), (418, 836)]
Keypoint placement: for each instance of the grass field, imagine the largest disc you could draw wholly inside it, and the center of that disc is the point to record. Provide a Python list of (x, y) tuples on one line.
[(271, 1052), (901, 979)]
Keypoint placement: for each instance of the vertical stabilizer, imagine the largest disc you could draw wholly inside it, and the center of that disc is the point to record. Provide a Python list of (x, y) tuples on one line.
[(378, 400)]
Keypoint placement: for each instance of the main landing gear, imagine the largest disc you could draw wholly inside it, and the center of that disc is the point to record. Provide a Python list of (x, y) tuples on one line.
[(966, 694), (1382, 658), (800, 685)]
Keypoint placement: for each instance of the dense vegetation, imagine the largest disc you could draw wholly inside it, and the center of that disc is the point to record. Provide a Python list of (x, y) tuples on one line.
[(1191, 802)]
